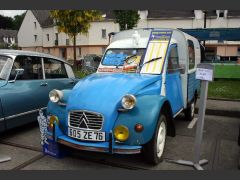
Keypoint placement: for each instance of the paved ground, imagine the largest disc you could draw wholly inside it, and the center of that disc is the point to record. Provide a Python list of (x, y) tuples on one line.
[(219, 147)]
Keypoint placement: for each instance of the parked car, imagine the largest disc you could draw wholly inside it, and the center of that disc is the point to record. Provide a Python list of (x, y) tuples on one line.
[(145, 79), (91, 62), (26, 78)]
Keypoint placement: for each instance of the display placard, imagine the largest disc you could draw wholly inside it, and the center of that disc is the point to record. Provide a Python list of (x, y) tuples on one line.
[(204, 72)]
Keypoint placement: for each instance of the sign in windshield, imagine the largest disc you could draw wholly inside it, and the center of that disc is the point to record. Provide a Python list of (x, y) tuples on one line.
[(156, 49)]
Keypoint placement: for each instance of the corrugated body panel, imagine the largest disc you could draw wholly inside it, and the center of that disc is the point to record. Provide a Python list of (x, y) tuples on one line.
[(193, 85)]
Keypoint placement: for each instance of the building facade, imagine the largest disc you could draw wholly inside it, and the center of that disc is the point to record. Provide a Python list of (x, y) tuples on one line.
[(38, 32)]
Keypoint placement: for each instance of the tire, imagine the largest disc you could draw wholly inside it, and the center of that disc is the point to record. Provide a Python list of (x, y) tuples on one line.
[(151, 153), (189, 112)]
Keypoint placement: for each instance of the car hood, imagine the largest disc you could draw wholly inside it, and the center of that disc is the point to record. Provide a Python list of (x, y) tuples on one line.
[(2, 83), (102, 93)]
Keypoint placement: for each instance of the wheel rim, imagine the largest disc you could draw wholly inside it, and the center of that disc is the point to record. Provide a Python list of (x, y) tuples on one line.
[(192, 109), (161, 139)]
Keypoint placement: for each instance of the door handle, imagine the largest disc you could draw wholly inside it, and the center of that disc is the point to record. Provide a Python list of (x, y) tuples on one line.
[(44, 84)]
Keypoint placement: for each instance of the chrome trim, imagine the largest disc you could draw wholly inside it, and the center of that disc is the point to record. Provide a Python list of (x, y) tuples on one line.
[(25, 113), (87, 112), (178, 113), (43, 68)]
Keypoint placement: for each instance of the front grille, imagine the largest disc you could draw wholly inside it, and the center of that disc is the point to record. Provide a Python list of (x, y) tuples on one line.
[(85, 120)]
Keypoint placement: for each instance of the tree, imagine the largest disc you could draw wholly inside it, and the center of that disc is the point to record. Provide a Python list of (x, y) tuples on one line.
[(127, 19), (17, 21), (74, 22), (6, 22)]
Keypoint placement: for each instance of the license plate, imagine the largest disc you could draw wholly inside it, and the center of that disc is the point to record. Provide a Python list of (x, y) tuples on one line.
[(86, 135)]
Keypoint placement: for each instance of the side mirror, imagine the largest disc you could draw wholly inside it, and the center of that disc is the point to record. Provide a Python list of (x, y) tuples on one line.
[(17, 73), (182, 69)]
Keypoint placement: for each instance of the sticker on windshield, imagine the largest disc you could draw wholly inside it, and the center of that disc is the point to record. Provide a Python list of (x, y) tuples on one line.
[(156, 52)]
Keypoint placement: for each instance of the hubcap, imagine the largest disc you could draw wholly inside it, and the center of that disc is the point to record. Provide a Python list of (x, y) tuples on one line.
[(161, 139), (192, 109)]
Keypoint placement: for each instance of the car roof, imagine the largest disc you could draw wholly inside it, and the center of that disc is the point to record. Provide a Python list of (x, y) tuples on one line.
[(29, 53)]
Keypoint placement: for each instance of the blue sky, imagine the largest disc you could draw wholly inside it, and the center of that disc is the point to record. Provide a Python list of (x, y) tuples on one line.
[(11, 13)]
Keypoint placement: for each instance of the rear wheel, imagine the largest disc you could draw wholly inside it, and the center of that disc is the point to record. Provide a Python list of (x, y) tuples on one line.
[(154, 149), (190, 111)]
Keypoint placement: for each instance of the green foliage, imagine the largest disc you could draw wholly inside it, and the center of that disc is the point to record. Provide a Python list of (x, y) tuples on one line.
[(127, 19), (74, 22), (6, 22), (11, 23), (17, 21)]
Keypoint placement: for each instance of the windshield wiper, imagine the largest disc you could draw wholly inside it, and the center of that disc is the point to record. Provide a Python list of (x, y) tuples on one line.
[(129, 57), (151, 60)]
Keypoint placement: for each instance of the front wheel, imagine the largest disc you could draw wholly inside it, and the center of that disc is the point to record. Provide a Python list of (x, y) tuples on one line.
[(153, 150)]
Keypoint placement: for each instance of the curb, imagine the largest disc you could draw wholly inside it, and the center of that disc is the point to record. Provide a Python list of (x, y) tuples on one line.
[(235, 114), (223, 99)]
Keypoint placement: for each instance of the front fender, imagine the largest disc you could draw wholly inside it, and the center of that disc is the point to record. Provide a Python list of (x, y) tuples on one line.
[(146, 112)]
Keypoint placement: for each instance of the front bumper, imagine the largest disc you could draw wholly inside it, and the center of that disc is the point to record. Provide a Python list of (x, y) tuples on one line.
[(106, 147)]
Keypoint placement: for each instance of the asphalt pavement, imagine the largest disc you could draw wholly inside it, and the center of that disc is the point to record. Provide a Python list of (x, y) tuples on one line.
[(219, 146)]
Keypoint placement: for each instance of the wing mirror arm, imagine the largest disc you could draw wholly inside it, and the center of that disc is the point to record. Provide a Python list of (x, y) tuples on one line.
[(18, 72)]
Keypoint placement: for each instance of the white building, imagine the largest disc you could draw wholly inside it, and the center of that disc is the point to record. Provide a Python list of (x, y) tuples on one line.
[(38, 32)]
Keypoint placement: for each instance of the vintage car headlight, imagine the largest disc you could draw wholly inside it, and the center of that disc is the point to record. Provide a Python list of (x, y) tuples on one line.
[(121, 133), (129, 101), (55, 95)]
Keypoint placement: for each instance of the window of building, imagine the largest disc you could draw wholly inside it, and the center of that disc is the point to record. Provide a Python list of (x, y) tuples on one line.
[(104, 33), (35, 38), (79, 51), (35, 25), (56, 36), (173, 60), (47, 37), (54, 69), (67, 42), (191, 54), (32, 68)]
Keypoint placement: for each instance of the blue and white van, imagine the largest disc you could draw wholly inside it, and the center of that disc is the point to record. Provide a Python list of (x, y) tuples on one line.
[(145, 79)]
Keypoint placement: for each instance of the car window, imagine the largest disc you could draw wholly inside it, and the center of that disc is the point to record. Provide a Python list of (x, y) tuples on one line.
[(191, 53), (173, 60), (54, 69), (32, 68)]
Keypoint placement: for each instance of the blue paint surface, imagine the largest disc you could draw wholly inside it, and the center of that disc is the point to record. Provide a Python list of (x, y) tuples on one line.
[(102, 93), (193, 86)]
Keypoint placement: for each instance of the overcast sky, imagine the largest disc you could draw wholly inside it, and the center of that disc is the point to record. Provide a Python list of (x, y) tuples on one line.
[(11, 13)]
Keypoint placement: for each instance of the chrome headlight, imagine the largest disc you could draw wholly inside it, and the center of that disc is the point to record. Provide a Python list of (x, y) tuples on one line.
[(55, 95), (129, 101)]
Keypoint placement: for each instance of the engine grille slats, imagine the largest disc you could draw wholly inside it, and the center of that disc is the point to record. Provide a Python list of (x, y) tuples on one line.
[(85, 120)]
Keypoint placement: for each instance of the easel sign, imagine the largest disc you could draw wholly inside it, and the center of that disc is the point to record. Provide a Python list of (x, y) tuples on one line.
[(204, 72)]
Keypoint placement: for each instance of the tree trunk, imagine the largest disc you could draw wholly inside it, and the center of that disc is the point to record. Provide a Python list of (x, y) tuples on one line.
[(74, 50)]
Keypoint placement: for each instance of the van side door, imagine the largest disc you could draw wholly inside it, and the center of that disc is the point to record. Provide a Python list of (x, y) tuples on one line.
[(173, 80)]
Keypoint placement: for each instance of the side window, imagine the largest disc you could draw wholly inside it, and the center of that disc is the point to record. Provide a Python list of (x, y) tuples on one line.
[(54, 69), (191, 54), (173, 60), (32, 68)]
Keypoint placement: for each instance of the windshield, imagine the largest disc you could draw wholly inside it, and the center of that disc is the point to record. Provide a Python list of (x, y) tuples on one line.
[(5, 67), (124, 60)]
